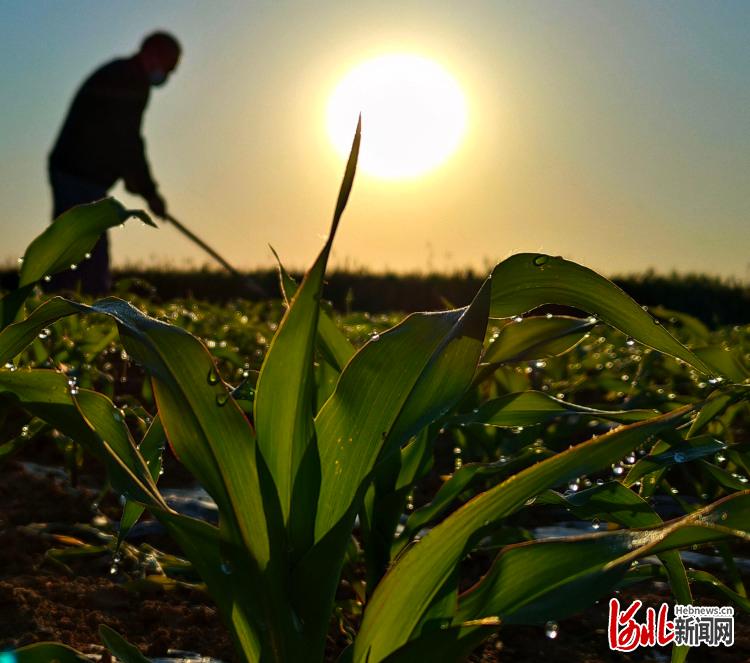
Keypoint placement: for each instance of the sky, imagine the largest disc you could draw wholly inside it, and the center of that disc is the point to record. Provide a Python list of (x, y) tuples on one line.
[(616, 134)]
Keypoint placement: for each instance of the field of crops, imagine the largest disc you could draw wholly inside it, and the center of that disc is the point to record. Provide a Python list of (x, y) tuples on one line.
[(277, 482)]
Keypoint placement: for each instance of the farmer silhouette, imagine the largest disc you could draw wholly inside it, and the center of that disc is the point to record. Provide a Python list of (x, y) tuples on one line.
[(100, 142)]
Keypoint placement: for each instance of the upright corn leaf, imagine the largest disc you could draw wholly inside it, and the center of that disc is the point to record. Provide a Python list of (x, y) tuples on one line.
[(284, 398), (332, 342), (393, 387)]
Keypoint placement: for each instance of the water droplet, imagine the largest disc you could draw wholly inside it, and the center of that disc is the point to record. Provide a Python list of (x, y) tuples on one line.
[(213, 376), (595, 524), (20, 260), (25, 431), (573, 486), (724, 515), (113, 569), (87, 256), (222, 399), (540, 260), (375, 336), (47, 278), (551, 630), (73, 267), (44, 333), (618, 470), (630, 341), (679, 457), (72, 387), (227, 568), (517, 318), (540, 363)]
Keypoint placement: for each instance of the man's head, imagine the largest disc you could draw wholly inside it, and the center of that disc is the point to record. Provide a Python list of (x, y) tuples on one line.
[(159, 55)]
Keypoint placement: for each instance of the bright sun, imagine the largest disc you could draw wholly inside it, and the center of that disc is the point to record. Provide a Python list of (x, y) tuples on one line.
[(413, 115)]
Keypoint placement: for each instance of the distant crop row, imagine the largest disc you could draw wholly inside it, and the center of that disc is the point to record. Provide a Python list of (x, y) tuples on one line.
[(331, 438)]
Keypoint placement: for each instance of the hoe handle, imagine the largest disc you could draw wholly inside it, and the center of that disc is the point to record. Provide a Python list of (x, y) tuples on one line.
[(190, 235)]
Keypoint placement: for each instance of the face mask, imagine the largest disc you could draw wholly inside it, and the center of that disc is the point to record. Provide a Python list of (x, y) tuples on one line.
[(157, 77)]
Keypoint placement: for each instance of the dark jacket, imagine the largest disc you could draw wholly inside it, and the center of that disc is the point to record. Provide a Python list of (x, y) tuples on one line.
[(100, 140)]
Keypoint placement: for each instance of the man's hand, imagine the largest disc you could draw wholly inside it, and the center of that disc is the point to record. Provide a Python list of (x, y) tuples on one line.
[(157, 205)]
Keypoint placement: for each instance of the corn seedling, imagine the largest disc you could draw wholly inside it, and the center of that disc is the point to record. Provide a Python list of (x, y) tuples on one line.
[(341, 435)]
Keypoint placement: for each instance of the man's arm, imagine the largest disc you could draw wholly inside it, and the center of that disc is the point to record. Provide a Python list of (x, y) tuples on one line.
[(126, 113)]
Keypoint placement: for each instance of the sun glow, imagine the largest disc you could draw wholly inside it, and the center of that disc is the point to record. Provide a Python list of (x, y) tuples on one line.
[(413, 115)]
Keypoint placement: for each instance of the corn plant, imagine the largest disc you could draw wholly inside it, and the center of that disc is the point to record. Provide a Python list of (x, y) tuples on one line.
[(332, 439)]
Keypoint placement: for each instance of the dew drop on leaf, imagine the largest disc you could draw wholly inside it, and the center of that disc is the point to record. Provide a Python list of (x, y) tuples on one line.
[(213, 376)]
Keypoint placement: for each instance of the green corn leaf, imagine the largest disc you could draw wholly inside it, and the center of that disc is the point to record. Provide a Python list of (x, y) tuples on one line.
[(46, 394), (64, 243), (120, 647), (16, 337), (726, 362), (45, 652), (537, 337), (73, 234), (666, 455), (567, 568), (150, 449), (451, 643), (211, 436), (529, 408), (527, 280), (716, 404), (30, 431), (333, 344), (394, 386), (284, 400), (614, 502), (460, 481), (423, 568), (550, 579), (130, 476)]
